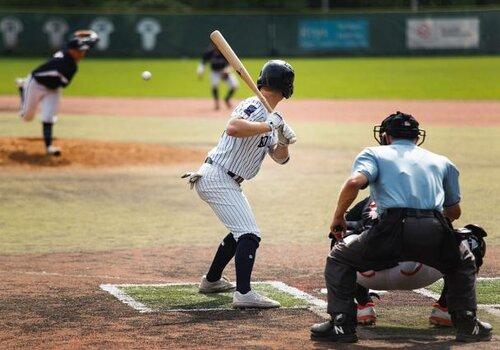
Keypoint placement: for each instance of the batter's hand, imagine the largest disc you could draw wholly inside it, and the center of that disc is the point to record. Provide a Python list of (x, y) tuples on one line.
[(286, 135), (338, 228), (274, 120), (192, 178)]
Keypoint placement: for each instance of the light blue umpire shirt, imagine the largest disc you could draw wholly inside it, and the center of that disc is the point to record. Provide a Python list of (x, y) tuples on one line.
[(403, 175)]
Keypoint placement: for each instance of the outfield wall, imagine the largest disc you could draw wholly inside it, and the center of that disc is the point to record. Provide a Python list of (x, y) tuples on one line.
[(170, 35)]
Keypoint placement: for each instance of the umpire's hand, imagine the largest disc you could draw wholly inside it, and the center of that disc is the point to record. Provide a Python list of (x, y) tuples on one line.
[(338, 227)]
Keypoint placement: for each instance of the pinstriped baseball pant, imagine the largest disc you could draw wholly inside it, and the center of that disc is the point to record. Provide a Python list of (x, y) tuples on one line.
[(35, 94), (227, 200)]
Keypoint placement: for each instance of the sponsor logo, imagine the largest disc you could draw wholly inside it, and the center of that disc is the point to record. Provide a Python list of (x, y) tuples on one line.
[(338, 330), (442, 33)]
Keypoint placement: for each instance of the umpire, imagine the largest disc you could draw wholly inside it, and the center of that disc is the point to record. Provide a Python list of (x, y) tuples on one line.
[(417, 194)]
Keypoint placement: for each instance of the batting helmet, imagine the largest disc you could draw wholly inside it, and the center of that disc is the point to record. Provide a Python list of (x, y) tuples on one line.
[(83, 40), (277, 75), (400, 126)]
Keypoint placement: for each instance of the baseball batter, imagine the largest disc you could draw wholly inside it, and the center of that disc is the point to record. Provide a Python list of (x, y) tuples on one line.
[(220, 71), (43, 86), (251, 133)]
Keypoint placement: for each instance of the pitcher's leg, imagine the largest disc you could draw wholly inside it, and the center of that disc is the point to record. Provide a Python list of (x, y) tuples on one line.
[(48, 116), (32, 94)]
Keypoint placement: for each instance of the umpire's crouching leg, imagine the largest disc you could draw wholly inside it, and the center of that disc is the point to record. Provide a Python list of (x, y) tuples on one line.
[(341, 285), (340, 275)]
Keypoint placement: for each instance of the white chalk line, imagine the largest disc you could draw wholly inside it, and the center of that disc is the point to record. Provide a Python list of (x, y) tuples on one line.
[(124, 298), (493, 309), (58, 274), (315, 305)]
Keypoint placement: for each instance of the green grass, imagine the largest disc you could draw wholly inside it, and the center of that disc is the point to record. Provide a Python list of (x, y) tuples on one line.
[(403, 322), (486, 290), (95, 210), (409, 78), (186, 297)]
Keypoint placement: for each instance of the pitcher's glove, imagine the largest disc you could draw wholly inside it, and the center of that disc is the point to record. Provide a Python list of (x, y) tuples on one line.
[(286, 135), (274, 120), (192, 178)]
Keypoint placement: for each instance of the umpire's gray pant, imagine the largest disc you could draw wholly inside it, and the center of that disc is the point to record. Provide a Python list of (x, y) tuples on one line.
[(422, 238)]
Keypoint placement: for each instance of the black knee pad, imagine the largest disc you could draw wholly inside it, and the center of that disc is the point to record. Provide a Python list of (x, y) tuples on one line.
[(251, 237)]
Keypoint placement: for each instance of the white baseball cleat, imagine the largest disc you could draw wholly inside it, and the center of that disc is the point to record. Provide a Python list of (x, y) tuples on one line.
[(253, 300), (440, 316), (53, 151), (220, 286), (366, 314)]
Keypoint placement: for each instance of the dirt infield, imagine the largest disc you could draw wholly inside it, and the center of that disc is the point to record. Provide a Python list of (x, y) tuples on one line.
[(372, 111), (53, 301), (29, 152)]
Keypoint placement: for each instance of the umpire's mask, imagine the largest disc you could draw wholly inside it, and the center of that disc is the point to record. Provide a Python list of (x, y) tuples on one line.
[(400, 126)]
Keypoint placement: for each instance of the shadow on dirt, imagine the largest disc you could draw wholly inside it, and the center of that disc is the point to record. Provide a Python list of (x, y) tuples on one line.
[(37, 159), (398, 337)]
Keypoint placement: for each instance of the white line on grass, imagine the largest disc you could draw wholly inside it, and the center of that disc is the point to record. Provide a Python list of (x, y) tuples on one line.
[(493, 309), (125, 298), (317, 306)]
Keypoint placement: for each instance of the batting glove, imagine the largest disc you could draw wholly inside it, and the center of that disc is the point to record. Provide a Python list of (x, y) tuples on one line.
[(286, 135), (274, 120), (192, 178)]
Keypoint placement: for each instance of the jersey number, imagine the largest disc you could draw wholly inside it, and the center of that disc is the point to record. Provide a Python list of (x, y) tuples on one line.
[(263, 141)]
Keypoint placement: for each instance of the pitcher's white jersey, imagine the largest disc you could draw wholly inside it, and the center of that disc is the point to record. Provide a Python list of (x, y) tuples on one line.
[(244, 156)]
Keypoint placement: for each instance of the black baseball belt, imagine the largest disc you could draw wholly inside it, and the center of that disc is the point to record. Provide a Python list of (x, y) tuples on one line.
[(415, 213), (235, 177)]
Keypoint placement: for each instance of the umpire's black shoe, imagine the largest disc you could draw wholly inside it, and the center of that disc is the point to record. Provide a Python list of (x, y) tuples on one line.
[(341, 329), (469, 328)]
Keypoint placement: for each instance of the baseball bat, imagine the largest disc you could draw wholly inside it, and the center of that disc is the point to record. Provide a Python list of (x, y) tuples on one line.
[(226, 50)]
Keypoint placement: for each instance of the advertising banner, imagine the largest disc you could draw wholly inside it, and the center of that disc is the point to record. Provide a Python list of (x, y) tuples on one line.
[(321, 34), (442, 33)]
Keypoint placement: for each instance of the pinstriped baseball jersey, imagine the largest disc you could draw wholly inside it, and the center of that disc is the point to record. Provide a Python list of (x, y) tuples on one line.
[(244, 156)]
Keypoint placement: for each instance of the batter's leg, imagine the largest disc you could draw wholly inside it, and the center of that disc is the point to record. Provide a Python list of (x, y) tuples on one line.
[(224, 254), (244, 260)]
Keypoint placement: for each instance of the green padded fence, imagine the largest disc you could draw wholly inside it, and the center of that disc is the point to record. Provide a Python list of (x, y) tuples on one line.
[(259, 34)]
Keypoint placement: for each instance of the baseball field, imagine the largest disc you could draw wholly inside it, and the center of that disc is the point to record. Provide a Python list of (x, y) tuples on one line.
[(100, 247)]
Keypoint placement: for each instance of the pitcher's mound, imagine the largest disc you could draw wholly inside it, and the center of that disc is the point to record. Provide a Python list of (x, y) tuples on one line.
[(30, 152)]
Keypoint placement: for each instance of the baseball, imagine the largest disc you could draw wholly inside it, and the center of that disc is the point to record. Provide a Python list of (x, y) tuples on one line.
[(146, 75)]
